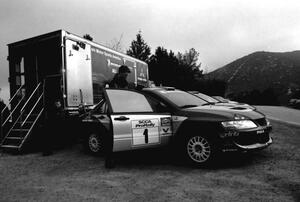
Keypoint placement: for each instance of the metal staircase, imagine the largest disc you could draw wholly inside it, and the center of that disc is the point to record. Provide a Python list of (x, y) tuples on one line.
[(23, 118)]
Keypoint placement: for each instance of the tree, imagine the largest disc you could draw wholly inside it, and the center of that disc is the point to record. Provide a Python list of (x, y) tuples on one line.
[(139, 48), (88, 37), (181, 70), (189, 59), (162, 67), (116, 44)]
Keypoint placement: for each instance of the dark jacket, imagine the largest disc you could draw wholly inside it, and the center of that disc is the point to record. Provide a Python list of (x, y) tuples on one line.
[(118, 82)]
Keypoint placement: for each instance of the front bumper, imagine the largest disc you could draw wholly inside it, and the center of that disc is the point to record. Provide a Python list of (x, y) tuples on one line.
[(255, 146), (248, 140)]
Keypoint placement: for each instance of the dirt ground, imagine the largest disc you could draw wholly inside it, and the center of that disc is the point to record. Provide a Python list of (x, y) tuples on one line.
[(72, 175)]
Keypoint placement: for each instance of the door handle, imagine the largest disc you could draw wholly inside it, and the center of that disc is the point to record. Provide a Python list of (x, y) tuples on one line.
[(121, 118)]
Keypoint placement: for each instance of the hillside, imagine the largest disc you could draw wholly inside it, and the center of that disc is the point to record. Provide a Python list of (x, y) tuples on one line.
[(261, 71)]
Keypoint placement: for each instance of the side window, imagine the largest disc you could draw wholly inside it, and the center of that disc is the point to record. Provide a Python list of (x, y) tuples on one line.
[(157, 106), (128, 101)]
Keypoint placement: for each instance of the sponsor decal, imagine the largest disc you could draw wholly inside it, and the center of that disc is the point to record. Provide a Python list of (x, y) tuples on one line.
[(145, 131), (165, 121), (145, 123), (166, 130), (260, 131)]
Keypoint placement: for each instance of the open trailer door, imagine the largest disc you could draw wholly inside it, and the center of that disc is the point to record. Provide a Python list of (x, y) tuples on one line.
[(78, 73)]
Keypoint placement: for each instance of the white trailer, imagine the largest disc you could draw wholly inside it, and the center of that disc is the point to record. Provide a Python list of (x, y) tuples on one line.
[(59, 65)]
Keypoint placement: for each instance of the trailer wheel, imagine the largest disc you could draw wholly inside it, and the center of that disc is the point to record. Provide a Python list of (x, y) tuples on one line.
[(95, 143)]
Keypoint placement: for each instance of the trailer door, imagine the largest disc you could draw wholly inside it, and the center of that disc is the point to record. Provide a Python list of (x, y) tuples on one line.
[(78, 73)]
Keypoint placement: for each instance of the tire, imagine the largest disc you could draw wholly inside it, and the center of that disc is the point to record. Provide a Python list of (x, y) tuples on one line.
[(94, 143), (199, 150)]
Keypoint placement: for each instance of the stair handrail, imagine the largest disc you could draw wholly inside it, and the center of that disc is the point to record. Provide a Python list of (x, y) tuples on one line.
[(9, 102), (22, 109), (11, 99), (13, 125), (12, 112), (28, 115), (21, 112)]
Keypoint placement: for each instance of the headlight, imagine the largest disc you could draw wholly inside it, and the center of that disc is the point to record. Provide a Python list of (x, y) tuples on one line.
[(241, 124), (268, 122)]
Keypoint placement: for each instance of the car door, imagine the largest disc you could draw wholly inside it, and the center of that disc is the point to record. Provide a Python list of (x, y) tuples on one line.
[(136, 121), (100, 115)]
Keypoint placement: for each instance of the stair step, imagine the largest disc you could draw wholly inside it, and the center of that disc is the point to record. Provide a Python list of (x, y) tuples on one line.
[(19, 122), (18, 133), (26, 125), (20, 130), (9, 146), (30, 116), (14, 138), (12, 141)]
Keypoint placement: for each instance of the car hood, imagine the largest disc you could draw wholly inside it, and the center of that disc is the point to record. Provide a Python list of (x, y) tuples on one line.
[(221, 113)]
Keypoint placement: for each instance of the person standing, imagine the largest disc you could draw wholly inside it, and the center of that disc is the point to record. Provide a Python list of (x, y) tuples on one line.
[(119, 81), (53, 123), (120, 78)]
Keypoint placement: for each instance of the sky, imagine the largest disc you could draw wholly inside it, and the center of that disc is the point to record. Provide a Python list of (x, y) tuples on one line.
[(220, 30)]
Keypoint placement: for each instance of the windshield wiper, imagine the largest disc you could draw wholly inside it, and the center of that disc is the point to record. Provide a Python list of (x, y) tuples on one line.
[(188, 106)]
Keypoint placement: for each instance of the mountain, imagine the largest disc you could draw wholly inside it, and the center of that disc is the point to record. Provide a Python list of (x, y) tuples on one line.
[(260, 71)]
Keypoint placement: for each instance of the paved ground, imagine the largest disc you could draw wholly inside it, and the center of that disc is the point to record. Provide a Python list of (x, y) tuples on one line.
[(283, 114)]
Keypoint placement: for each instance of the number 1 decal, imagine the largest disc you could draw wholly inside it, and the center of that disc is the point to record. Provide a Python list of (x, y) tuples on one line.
[(146, 135)]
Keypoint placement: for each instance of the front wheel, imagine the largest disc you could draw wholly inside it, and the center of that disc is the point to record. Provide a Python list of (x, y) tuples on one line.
[(199, 150)]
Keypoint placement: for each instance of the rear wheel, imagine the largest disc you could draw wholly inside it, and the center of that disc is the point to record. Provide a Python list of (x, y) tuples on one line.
[(199, 150), (95, 143)]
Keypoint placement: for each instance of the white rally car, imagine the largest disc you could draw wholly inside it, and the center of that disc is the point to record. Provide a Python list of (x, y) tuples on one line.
[(156, 117)]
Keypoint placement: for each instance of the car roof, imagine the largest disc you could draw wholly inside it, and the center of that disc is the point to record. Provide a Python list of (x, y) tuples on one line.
[(166, 88)]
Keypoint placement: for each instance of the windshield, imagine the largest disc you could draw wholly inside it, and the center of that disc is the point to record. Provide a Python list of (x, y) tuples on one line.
[(182, 99), (221, 99), (207, 98)]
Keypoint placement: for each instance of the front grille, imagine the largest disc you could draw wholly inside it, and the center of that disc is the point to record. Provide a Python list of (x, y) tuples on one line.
[(261, 122), (249, 138)]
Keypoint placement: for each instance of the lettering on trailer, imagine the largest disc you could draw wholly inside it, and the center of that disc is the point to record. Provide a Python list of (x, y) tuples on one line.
[(101, 52), (142, 75), (145, 131)]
